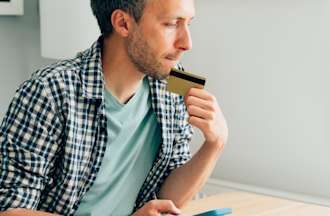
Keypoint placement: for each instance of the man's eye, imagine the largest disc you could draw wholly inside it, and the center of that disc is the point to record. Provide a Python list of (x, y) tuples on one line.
[(170, 24)]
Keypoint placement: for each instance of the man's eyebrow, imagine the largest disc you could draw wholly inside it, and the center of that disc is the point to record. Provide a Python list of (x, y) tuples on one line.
[(176, 18)]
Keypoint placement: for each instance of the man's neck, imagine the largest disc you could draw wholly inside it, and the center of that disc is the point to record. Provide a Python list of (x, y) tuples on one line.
[(120, 75)]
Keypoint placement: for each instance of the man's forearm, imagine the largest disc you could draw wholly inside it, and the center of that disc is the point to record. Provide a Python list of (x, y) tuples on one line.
[(27, 212), (184, 182)]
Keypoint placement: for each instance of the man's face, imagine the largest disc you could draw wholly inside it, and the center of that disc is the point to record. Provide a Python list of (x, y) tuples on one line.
[(162, 35)]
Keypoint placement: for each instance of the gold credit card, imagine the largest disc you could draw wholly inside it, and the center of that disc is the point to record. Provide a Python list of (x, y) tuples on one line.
[(180, 82)]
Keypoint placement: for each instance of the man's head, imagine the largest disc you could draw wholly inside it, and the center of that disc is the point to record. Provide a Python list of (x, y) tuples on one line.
[(155, 32)]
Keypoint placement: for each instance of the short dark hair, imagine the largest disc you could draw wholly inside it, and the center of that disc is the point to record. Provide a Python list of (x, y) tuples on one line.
[(103, 9)]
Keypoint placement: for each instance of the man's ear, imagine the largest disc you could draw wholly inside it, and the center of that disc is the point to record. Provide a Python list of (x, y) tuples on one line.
[(121, 22)]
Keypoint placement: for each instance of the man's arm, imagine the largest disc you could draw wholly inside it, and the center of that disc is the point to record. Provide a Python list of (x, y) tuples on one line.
[(22, 212), (28, 142), (184, 182)]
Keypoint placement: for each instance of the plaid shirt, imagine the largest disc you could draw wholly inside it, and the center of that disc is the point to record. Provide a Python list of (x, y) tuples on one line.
[(54, 135)]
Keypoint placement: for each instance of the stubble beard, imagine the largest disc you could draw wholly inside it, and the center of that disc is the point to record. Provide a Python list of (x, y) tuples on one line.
[(143, 57)]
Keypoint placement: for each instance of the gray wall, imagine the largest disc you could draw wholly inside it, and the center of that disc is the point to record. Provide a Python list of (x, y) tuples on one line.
[(19, 51), (267, 61)]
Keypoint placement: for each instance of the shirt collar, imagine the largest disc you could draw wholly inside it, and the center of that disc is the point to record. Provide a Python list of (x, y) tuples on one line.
[(91, 70)]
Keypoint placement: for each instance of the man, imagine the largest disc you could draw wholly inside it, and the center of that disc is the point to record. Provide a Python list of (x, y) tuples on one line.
[(99, 134)]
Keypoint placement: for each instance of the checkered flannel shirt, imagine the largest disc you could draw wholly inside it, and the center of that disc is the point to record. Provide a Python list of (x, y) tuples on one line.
[(54, 136)]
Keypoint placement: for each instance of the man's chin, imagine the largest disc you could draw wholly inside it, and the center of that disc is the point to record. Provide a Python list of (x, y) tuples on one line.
[(161, 75), (166, 73), (161, 72)]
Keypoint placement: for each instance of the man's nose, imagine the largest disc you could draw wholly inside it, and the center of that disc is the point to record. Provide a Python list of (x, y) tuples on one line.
[(184, 42)]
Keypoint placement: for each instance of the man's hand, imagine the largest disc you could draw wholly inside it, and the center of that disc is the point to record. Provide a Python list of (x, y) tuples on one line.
[(157, 207), (205, 114)]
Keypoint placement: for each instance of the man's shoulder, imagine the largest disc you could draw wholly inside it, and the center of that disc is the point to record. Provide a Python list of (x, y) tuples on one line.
[(55, 82), (60, 71)]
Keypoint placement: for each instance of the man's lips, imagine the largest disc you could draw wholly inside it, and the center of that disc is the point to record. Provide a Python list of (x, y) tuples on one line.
[(173, 58)]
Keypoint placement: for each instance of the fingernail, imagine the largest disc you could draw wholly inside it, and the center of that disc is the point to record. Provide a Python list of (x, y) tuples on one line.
[(177, 211)]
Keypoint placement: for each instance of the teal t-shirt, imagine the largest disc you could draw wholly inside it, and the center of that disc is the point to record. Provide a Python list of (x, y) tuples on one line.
[(134, 138)]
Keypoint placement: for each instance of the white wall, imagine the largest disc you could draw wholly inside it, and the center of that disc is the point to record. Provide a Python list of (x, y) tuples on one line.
[(267, 61), (19, 51)]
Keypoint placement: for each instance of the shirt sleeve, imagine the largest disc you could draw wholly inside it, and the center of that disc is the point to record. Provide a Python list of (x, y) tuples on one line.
[(28, 135), (184, 131)]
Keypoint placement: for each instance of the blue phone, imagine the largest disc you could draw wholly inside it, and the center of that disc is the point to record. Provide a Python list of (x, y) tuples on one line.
[(216, 212)]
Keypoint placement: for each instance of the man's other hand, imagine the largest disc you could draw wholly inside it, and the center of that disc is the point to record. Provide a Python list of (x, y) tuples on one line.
[(158, 207)]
